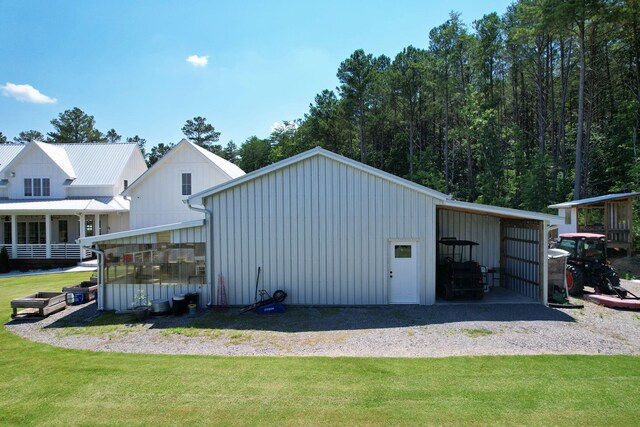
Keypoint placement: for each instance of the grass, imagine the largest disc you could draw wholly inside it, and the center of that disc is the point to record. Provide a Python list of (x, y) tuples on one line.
[(44, 385), (475, 333)]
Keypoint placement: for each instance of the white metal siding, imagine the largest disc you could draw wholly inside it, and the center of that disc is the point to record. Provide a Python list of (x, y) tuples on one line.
[(482, 229), (320, 230), (522, 260)]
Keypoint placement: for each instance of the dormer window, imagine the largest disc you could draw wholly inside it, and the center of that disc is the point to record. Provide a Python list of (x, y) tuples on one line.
[(37, 187)]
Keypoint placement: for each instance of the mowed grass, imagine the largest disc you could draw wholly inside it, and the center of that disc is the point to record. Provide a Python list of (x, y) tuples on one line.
[(44, 385)]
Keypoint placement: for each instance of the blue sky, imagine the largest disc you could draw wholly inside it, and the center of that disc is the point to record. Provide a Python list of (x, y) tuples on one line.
[(126, 63)]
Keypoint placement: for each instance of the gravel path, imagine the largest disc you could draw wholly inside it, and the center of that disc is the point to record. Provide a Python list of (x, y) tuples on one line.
[(387, 331)]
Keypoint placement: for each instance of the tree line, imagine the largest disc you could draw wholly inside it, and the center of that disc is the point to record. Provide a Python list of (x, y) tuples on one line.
[(77, 127), (537, 106)]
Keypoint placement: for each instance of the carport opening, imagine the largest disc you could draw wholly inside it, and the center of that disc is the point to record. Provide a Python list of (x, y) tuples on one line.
[(510, 252)]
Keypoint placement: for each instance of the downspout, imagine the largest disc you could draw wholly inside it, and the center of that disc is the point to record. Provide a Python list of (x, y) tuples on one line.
[(208, 219), (100, 271)]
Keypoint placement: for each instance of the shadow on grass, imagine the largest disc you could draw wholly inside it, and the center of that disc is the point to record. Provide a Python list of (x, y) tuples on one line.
[(314, 319)]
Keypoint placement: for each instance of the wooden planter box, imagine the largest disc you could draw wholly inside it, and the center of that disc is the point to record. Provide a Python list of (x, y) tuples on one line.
[(88, 289), (40, 304)]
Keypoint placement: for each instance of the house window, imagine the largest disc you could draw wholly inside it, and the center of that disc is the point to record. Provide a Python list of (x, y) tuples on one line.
[(126, 184), (402, 251), (186, 184), (28, 189), (7, 233), (62, 231), (37, 187)]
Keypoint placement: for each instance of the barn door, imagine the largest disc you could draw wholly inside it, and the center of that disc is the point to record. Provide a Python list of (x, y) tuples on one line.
[(403, 273)]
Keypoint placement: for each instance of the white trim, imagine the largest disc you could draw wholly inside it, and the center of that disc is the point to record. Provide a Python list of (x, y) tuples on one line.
[(318, 151), (88, 241)]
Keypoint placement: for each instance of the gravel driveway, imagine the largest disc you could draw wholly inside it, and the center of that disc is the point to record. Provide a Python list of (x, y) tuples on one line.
[(385, 331)]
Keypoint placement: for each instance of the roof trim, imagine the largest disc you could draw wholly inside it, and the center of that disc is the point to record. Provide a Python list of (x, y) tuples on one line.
[(590, 200), (503, 212), (196, 199), (88, 241)]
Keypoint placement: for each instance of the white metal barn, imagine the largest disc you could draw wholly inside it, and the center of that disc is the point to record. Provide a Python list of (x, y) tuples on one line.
[(330, 230)]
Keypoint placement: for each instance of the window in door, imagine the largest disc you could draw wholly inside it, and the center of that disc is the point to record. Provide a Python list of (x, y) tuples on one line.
[(63, 231)]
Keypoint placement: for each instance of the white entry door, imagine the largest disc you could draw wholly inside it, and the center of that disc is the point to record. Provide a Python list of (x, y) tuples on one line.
[(403, 273)]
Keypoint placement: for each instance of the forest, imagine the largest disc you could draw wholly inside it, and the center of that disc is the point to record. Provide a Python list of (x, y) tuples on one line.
[(537, 106)]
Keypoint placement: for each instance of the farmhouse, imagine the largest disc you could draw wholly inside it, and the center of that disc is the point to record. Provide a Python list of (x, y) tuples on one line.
[(51, 195), (327, 230)]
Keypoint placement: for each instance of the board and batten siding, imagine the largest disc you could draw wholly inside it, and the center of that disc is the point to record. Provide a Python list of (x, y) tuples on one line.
[(320, 230)]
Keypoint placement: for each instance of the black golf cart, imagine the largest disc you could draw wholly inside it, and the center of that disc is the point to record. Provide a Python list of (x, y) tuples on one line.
[(456, 277)]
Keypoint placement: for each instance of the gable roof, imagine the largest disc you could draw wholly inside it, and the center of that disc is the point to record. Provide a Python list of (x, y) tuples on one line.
[(83, 164), (591, 200), (318, 151), (57, 155), (226, 167)]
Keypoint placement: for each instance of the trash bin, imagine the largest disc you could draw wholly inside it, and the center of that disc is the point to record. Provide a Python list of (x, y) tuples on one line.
[(179, 305)]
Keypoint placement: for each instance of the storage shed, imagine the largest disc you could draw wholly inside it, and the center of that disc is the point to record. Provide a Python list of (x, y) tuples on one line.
[(332, 231)]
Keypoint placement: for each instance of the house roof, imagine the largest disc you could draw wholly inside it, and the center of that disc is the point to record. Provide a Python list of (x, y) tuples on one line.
[(196, 199), (84, 164), (70, 206), (226, 167), (592, 200), (88, 241)]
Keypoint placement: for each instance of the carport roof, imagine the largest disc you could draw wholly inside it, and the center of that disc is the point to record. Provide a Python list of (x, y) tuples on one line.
[(501, 212)]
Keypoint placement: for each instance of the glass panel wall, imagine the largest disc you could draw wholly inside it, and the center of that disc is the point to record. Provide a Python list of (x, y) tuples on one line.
[(160, 263)]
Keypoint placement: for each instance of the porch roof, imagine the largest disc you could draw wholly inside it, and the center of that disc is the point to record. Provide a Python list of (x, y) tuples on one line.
[(65, 206), (591, 200)]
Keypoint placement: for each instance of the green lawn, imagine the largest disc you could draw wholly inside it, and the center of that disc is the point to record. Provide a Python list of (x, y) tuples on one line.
[(43, 385)]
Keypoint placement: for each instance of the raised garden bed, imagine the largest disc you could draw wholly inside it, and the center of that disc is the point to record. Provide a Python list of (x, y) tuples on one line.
[(40, 304), (87, 289)]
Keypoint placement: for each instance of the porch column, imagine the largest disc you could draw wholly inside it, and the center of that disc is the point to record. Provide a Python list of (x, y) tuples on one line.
[(14, 236), (83, 228), (47, 233), (97, 225)]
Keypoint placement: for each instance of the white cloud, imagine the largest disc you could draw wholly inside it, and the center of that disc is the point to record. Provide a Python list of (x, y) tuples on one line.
[(198, 61), (26, 93)]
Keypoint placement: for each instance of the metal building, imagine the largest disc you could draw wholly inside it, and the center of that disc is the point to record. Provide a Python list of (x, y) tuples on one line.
[(330, 230)]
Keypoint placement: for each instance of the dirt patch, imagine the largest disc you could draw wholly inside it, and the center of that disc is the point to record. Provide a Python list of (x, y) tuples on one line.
[(628, 267)]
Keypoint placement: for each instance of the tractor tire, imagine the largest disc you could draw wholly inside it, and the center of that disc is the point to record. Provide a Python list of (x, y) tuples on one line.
[(612, 282), (575, 281)]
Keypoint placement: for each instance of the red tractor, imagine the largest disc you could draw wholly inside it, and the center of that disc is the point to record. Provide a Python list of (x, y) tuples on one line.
[(587, 265)]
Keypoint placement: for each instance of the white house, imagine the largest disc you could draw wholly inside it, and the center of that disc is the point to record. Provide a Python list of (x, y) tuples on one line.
[(51, 195), (327, 230), (157, 195)]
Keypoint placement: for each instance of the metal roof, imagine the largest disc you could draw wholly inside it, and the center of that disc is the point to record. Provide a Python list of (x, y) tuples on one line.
[(89, 164), (592, 200), (72, 206), (232, 170), (98, 164), (88, 241)]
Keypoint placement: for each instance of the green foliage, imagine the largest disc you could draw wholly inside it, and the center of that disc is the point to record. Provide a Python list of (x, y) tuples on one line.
[(202, 134), (74, 127), (255, 153), (141, 144), (157, 152), (113, 137), (28, 136), (3, 138)]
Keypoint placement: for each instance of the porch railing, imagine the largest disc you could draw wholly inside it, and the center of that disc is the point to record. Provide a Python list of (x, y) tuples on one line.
[(58, 251)]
